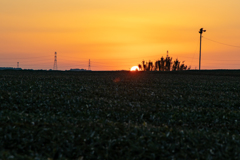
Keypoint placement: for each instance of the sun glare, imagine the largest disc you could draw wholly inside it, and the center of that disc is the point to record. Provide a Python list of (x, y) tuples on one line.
[(135, 68)]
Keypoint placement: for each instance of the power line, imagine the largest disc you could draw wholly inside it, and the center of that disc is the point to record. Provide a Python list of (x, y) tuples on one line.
[(25, 57), (222, 43)]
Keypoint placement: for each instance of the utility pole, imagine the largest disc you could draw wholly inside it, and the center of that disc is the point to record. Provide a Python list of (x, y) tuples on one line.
[(17, 64), (201, 31)]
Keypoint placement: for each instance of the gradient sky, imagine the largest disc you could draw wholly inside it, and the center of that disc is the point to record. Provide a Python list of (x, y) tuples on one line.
[(117, 35)]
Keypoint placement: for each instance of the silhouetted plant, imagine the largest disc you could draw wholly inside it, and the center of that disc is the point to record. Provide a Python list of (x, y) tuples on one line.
[(176, 64), (168, 63), (156, 66), (150, 66), (163, 65), (183, 67), (144, 66), (140, 67)]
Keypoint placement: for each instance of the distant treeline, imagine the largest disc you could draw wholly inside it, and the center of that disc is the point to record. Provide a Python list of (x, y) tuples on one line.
[(164, 64), (9, 68)]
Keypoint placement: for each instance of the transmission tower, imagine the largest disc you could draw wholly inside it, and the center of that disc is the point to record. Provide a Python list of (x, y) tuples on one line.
[(55, 62), (89, 65), (17, 64)]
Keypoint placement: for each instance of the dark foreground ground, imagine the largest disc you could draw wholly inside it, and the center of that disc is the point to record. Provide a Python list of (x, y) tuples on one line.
[(120, 115)]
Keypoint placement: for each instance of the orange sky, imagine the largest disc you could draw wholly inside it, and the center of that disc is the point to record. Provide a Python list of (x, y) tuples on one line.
[(117, 35)]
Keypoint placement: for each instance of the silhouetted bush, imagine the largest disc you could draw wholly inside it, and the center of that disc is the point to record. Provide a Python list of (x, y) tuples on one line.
[(164, 64)]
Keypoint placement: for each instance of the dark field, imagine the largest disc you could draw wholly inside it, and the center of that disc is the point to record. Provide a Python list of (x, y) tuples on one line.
[(120, 115)]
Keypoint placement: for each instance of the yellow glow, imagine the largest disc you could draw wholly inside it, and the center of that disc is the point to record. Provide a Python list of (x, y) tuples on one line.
[(116, 34), (135, 68)]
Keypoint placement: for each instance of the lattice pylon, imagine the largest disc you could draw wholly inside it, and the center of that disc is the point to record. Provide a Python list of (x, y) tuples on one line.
[(55, 62), (89, 65)]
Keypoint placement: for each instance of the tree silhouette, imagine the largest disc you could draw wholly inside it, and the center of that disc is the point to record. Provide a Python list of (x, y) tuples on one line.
[(150, 66), (183, 67), (175, 66), (164, 64), (140, 67), (156, 66), (168, 63), (144, 65)]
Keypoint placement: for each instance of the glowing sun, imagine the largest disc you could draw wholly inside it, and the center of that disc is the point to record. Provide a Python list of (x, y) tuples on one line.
[(135, 68)]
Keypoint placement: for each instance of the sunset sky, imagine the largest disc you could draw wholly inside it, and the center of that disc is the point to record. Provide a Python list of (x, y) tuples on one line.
[(117, 35)]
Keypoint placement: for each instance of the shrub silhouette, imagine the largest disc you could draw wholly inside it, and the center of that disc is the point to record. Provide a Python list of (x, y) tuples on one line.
[(164, 64)]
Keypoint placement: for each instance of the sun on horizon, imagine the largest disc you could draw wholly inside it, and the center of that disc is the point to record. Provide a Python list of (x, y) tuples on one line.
[(134, 68)]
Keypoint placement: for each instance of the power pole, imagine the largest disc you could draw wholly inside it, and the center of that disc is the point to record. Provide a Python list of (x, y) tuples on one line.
[(89, 65), (17, 64), (55, 62), (201, 31)]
